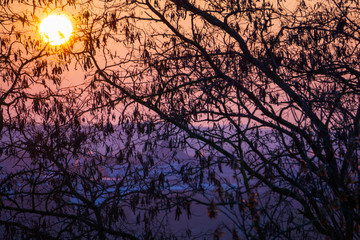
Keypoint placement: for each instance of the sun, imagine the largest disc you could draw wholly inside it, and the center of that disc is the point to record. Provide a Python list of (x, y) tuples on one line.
[(56, 29)]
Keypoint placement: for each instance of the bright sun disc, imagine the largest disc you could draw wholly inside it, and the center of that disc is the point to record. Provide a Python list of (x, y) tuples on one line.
[(55, 29)]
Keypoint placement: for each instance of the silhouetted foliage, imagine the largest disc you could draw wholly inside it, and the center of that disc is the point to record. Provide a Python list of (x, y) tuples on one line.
[(248, 110)]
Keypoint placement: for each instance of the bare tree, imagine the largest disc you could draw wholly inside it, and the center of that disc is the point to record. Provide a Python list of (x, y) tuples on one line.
[(269, 89), (263, 96)]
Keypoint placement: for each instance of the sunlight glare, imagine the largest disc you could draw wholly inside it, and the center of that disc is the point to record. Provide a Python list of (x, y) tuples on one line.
[(56, 29)]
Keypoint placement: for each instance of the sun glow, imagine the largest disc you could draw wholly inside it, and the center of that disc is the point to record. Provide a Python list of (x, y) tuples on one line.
[(55, 29)]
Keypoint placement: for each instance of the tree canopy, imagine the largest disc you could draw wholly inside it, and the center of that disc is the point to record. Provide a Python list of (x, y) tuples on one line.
[(247, 109)]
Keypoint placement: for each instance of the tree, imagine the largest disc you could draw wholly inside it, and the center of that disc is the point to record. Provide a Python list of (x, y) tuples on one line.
[(45, 192), (263, 95), (67, 172)]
